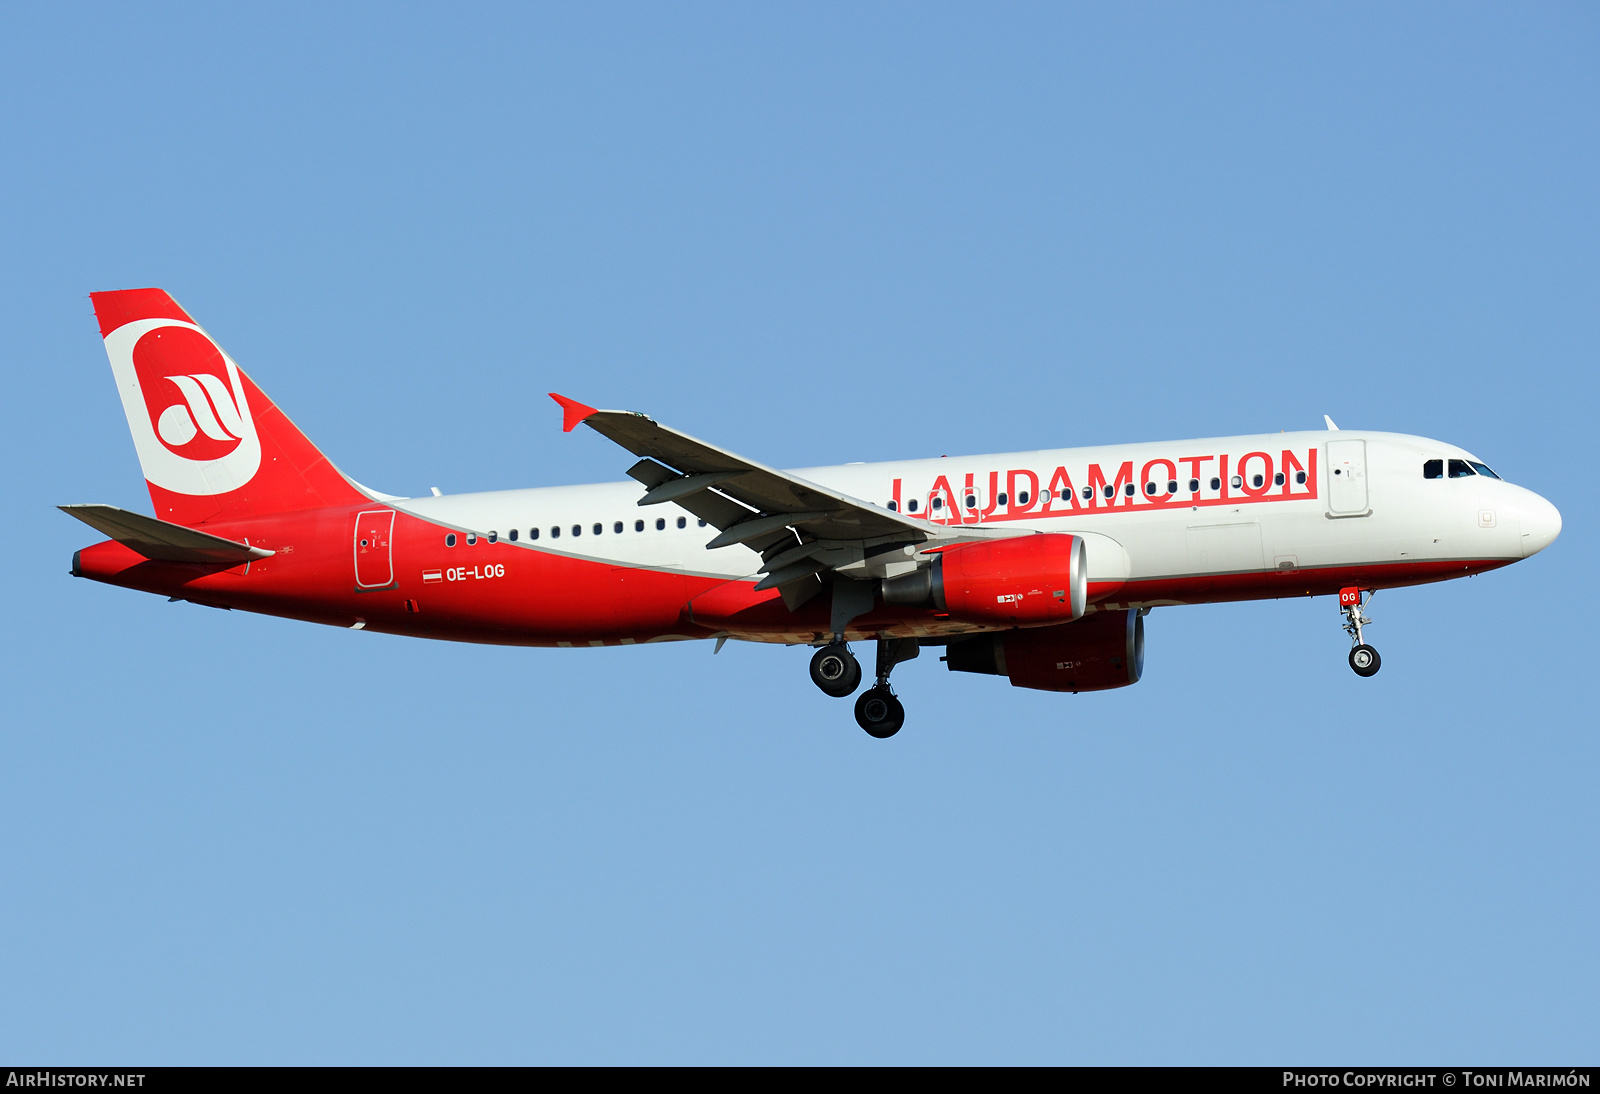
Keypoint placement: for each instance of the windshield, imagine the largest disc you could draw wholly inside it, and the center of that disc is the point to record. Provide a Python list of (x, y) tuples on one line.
[(1482, 469)]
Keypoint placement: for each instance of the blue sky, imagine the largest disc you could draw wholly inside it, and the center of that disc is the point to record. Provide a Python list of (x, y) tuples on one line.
[(814, 234)]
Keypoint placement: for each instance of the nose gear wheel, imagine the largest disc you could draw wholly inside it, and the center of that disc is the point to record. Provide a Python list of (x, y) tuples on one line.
[(1364, 660)]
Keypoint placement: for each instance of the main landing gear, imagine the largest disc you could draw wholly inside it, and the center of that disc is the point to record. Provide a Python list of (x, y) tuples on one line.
[(836, 671), (1364, 660)]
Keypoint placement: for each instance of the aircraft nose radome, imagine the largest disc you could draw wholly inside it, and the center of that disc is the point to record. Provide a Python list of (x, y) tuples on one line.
[(1541, 524)]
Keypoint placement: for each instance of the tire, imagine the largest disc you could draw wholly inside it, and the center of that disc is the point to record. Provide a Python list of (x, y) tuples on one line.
[(1364, 660), (879, 712), (835, 670)]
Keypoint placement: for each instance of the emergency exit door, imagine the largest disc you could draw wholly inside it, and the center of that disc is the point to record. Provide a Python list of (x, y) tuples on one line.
[(374, 563), (1347, 478)]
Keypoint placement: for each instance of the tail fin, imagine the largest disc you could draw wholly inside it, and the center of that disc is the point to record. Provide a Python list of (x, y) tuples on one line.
[(212, 446)]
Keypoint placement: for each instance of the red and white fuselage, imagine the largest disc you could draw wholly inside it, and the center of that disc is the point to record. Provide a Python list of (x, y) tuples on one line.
[(1161, 523)]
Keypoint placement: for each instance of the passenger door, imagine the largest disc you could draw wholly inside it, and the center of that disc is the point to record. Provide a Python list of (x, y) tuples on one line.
[(374, 563), (1347, 478)]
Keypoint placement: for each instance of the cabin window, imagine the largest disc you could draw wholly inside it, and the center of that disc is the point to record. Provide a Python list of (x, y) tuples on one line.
[(598, 528), (1277, 480), (472, 537), (617, 527), (533, 533), (638, 526), (661, 522), (1111, 491), (893, 508), (1022, 497), (1194, 486), (1460, 470), (1300, 478), (494, 537), (1088, 494), (555, 531), (938, 502), (1000, 499), (450, 539), (701, 523), (972, 502), (1482, 469), (1216, 483), (512, 535), (911, 506), (1150, 488), (577, 530), (1257, 481), (683, 522), (1128, 490), (1172, 487)]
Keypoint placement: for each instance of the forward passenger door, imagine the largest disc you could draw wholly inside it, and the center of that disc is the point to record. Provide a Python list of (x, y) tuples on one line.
[(1347, 479)]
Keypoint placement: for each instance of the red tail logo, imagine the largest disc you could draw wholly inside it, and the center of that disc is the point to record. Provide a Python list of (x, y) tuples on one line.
[(187, 390), (212, 446)]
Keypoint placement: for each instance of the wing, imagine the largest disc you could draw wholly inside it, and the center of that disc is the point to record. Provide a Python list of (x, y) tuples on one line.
[(799, 528), (159, 539)]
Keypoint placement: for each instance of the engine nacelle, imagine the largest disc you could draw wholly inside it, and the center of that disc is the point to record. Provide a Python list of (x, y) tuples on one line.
[(1104, 651), (1026, 581)]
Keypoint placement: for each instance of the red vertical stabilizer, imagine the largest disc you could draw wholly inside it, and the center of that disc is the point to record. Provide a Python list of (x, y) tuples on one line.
[(212, 445)]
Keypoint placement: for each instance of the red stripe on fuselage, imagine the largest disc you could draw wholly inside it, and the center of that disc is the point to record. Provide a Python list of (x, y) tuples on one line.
[(512, 594)]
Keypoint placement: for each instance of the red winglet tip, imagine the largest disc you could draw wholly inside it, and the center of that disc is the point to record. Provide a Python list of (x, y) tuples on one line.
[(572, 412)]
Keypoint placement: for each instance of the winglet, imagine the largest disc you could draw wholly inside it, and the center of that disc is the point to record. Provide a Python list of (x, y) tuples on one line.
[(572, 412), (1331, 427)]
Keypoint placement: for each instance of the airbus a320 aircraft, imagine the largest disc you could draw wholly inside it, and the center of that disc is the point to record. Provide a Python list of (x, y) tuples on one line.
[(1036, 566)]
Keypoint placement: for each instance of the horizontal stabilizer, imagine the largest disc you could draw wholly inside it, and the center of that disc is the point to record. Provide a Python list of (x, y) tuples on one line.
[(160, 540)]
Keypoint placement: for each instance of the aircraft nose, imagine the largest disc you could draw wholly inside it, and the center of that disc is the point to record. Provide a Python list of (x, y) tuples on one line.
[(1541, 524)]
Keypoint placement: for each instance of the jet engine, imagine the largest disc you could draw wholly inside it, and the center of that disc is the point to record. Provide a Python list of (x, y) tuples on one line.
[(1104, 651), (1026, 581)]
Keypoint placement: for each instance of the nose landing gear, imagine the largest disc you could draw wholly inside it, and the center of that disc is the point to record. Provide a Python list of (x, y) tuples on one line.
[(1364, 660)]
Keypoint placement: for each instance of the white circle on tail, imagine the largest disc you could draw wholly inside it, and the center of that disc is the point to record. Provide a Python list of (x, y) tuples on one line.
[(147, 411)]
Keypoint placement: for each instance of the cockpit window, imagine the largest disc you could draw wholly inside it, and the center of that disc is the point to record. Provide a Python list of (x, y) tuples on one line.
[(1433, 469), (1460, 470), (1482, 469)]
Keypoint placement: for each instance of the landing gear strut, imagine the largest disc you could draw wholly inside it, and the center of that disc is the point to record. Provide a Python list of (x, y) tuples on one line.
[(1363, 658), (878, 711)]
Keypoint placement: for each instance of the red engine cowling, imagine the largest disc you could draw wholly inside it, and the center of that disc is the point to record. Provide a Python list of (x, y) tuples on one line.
[(1106, 650), (1028, 581)]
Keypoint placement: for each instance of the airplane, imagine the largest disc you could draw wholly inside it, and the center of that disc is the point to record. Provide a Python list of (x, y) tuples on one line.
[(1036, 566)]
